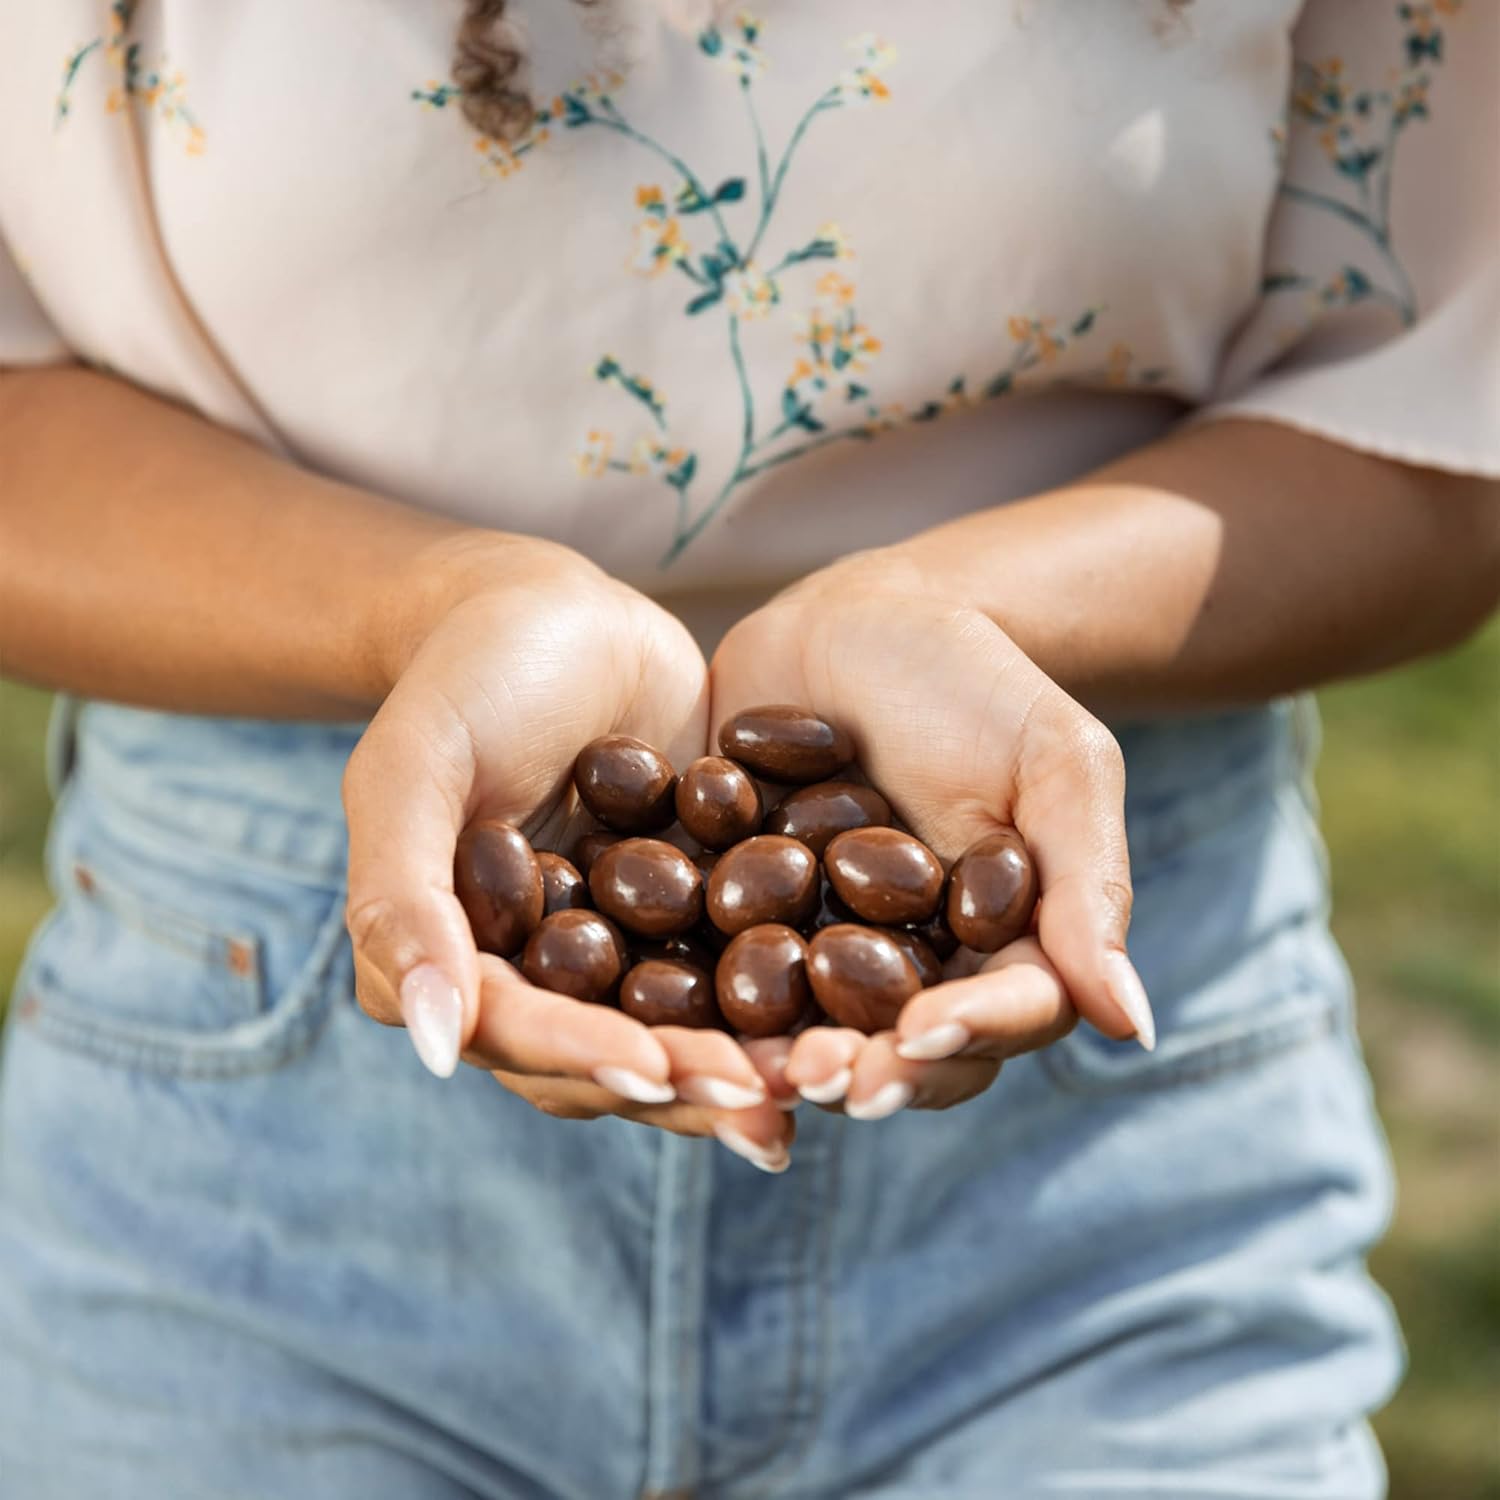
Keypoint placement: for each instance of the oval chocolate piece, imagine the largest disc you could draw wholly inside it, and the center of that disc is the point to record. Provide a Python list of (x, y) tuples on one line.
[(927, 964), (626, 784), (664, 992), (499, 884), (682, 948), (647, 886), (718, 802), (992, 892), (787, 744), (885, 876), (563, 888), (761, 981), (577, 953), (765, 879), (590, 847), (815, 815), (934, 932), (861, 977)]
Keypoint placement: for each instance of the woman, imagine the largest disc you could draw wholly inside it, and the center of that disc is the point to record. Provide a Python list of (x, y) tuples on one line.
[(475, 389)]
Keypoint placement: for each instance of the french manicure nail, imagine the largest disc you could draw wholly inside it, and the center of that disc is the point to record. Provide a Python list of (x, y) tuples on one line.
[(886, 1100), (936, 1044), (629, 1084), (433, 1011), (1127, 991), (720, 1093), (831, 1090), (767, 1158)]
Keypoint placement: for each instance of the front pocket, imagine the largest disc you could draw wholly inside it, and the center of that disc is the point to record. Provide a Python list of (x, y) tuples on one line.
[(1285, 993), (174, 959)]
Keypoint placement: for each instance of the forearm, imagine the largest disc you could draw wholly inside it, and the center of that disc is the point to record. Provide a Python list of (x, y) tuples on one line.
[(1227, 564), (151, 557)]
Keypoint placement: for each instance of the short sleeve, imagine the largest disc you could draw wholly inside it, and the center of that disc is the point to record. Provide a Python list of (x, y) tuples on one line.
[(26, 335), (1378, 320)]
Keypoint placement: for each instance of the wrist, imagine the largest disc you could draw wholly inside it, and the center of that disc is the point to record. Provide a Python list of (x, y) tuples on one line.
[(454, 569)]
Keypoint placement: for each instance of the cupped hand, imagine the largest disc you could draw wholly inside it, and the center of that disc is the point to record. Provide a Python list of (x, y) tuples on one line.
[(520, 653), (965, 735)]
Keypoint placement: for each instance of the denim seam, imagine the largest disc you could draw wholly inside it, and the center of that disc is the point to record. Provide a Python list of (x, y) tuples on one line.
[(290, 1025)]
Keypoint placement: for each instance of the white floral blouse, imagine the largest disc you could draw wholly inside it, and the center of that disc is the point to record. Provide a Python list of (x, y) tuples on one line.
[(760, 289)]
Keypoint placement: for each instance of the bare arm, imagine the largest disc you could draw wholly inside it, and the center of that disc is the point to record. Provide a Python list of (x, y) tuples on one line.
[(1226, 564), (149, 556)]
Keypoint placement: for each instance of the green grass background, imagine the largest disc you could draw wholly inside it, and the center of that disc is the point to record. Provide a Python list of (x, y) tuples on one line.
[(1410, 782)]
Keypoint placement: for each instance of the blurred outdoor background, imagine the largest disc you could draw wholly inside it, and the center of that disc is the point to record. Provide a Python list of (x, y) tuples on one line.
[(1411, 794)]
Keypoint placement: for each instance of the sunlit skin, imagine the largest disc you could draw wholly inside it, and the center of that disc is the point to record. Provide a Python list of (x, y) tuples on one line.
[(168, 563)]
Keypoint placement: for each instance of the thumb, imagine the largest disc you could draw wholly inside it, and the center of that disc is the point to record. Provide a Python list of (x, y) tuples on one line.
[(1073, 819), (415, 963)]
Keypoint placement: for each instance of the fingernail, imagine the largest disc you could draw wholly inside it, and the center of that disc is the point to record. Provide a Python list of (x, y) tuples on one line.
[(786, 1103), (1127, 991), (932, 1046), (433, 1011), (831, 1090), (767, 1158), (720, 1093), (886, 1100), (629, 1084)]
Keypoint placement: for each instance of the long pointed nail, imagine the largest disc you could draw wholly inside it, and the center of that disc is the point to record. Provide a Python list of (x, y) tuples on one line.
[(720, 1093), (433, 1010), (1127, 991), (767, 1158), (886, 1100), (932, 1046), (831, 1090), (629, 1084)]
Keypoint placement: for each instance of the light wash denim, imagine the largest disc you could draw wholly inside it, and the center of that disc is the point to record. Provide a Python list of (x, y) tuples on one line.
[(250, 1250)]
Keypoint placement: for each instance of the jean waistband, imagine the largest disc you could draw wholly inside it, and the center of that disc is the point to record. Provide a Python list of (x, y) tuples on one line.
[(269, 792)]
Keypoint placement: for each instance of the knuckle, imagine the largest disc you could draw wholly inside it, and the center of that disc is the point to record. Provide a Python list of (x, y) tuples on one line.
[(1119, 899), (1095, 751), (371, 921)]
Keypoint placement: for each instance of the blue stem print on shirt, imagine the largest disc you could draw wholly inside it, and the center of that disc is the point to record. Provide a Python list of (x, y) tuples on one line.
[(1358, 130), (682, 231)]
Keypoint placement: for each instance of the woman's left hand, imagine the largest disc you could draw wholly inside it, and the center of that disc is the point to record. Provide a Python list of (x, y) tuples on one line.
[(964, 734)]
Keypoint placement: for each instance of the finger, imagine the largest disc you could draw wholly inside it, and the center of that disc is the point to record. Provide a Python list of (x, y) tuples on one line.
[(710, 1069), (769, 1056), (821, 1065), (885, 1082), (762, 1136), (1070, 809), (404, 793), (523, 1029), (1016, 1003)]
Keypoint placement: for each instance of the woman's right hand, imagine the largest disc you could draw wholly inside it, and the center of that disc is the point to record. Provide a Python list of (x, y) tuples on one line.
[(510, 656)]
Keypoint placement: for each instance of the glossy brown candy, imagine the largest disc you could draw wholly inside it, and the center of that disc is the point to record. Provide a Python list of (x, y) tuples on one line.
[(682, 948), (762, 982), (577, 953), (718, 802), (764, 879), (664, 992), (815, 815), (626, 784), (934, 932), (885, 876), (927, 964), (787, 744), (647, 886), (861, 976), (991, 892), (590, 847), (563, 888), (499, 884)]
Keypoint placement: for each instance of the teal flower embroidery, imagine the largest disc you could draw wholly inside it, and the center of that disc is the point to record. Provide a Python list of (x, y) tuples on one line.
[(1358, 129), (682, 230), (155, 89)]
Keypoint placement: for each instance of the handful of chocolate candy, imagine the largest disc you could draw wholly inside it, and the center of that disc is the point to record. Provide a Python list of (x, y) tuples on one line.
[(762, 921)]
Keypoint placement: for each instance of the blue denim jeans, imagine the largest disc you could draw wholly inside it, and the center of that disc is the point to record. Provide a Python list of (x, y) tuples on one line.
[(249, 1248)]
